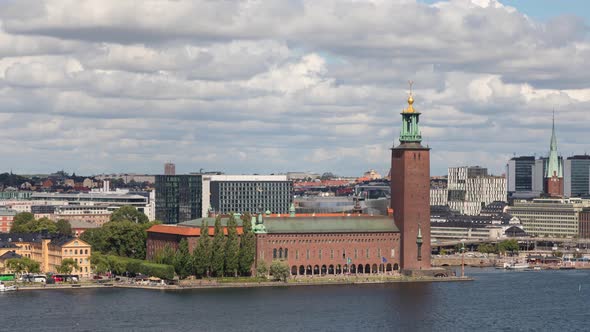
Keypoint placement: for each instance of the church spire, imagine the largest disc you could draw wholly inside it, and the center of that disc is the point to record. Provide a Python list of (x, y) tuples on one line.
[(410, 132), (553, 165)]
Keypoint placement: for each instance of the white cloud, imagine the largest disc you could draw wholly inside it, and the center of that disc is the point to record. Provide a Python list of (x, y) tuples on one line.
[(264, 86)]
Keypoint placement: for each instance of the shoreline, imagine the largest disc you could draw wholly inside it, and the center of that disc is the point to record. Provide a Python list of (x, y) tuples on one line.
[(317, 282)]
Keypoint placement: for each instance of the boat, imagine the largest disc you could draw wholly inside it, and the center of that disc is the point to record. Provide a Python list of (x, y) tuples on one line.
[(516, 266), (536, 268), (4, 288)]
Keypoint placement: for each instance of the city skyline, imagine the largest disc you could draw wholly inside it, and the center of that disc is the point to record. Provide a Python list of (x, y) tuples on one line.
[(305, 87)]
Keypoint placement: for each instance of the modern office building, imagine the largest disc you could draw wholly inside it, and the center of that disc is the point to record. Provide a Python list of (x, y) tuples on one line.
[(550, 216), (247, 193), (469, 189), (88, 206), (576, 177), (523, 175), (178, 198)]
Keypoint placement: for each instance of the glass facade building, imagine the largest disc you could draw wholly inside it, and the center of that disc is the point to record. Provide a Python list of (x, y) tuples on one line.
[(577, 176), (178, 198), (250, 196)]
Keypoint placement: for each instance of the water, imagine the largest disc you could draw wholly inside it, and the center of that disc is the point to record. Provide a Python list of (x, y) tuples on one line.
[(497, 301)]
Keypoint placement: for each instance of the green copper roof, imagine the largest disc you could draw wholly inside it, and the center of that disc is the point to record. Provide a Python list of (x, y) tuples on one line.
[(289, 224), (553, 166), (330, 225)]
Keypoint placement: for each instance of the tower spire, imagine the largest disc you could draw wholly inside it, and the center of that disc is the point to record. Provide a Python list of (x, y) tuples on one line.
[(410, 132), (553, 165)]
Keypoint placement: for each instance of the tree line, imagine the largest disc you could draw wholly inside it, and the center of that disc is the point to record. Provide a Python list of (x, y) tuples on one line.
[(124, 235), (25, 222), (222, 255), (499, 248)]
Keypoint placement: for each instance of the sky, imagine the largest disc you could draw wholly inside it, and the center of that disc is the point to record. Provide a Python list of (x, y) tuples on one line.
[(275, 86)]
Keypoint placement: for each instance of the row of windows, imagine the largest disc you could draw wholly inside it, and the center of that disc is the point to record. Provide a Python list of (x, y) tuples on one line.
[(75, 252), (283, 253), (372, 240)]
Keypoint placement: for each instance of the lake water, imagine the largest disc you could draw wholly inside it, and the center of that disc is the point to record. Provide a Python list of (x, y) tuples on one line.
[(496, 301)]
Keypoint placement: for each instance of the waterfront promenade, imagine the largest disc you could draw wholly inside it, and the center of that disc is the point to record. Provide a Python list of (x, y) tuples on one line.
[(244, 283)]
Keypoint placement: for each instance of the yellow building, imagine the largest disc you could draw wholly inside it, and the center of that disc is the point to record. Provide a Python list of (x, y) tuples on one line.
[(7, 251), (50, 252)]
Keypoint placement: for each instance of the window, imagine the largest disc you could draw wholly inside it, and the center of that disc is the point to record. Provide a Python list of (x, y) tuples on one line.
[(307, 254), (274, 253), (320, 254), (356, 253), (286, 253), (280, 252), (331, 253), (367, 253)]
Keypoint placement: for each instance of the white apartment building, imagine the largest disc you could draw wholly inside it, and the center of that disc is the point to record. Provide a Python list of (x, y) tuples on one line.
[(469, 189)]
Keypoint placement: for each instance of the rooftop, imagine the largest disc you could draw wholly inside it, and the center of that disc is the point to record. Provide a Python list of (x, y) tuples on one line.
[(187, 230)]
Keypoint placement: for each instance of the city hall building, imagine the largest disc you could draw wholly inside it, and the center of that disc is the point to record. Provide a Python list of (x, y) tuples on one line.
[(342, 244), (310, 245)]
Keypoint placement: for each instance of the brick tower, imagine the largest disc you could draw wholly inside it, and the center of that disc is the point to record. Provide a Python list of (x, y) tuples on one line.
[(410, 192), (554, 168)]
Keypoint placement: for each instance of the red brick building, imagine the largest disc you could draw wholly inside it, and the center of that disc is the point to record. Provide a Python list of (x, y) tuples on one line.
[(584, 224), (310, 245), (330, 245), (410, 192)]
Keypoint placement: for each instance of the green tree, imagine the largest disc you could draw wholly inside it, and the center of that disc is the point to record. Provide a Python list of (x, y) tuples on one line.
[(247, 246), (202, 254), (21, 221), (23, 265), (129, 213), (217, 248), (41, 225), (261, 269), (97, 238), (182, 260), (99, 263), (63, 227), (121, 238), (165, 255), (327, 176), (279, 270), (486, 248), (508, 246), (232, 247), (25, 222), (67, 266)]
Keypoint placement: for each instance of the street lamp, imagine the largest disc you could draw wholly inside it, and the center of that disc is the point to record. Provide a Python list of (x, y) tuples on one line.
[(462, 258)]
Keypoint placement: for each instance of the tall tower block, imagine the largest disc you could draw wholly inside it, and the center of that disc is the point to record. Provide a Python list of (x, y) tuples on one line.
[(410, 192)]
